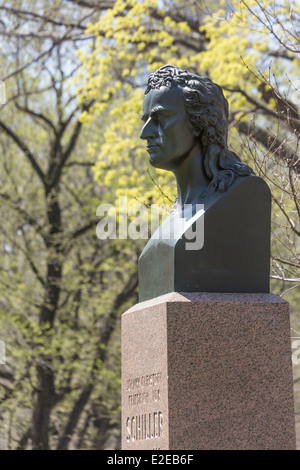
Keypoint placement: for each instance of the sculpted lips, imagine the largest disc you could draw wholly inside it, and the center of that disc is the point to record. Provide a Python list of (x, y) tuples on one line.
[(151, 147)]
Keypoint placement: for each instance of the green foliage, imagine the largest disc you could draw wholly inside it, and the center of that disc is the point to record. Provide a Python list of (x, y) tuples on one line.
[(62, 289), (250, 48), (64, 152)]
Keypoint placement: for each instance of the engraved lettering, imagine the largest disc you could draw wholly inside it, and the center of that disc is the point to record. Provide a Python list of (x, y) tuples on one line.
[(160, 423), (155, 424), (145, 426), (133, 435), (128, 438), (156, 395), (138, 399), (149, 380), (138, 428), (149, 427)]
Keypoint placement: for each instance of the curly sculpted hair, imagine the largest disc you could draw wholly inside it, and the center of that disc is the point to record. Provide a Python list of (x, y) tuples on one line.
[(207, 109)]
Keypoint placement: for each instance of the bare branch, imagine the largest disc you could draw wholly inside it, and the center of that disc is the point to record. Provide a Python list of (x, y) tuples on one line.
[(282, 278), (22, 146), (37, 115), (98, 6), (267, 139)]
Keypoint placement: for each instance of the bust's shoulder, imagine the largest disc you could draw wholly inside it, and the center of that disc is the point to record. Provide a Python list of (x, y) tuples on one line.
[(253, 186), (248, 182), (244, 191)]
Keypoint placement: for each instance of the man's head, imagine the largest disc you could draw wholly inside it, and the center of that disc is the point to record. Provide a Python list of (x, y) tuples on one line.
[(204, 101), (206, 112), (167, 128)]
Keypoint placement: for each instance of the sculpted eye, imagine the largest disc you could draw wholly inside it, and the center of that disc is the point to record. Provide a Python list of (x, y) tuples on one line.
[(158, 118)]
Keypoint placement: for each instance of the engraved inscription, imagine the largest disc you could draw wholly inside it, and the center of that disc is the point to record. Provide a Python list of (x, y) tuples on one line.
[(145, 426), (144, 389), (143, 381), (138, 399), (141, 425)]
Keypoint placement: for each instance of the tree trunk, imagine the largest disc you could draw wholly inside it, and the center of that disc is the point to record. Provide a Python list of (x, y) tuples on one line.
[(45, 394)]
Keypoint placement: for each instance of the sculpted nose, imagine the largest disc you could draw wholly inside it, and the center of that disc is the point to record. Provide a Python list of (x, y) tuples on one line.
[(147, 131)]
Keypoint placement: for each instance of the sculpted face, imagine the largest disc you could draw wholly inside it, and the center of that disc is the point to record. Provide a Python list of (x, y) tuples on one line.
[(170, 135)]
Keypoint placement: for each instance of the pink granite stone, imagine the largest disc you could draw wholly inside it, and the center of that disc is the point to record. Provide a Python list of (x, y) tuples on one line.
[(207, 371)]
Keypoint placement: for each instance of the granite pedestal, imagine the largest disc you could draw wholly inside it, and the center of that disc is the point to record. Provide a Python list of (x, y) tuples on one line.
[(207, 371)]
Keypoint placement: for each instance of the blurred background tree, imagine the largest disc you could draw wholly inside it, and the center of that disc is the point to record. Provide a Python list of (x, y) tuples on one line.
[(75, 72), (62, 288)]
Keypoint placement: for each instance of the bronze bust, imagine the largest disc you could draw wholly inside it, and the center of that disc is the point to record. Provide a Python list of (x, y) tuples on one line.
[(186, 126)]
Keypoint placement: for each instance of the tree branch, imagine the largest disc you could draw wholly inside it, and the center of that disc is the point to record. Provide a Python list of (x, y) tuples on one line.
[(74, 417), (22, 146), (55, 171), (265, 138), (40, 116), (101, 354)]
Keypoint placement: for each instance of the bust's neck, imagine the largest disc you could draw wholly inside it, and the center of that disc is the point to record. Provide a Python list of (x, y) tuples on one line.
[(191, 178)]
